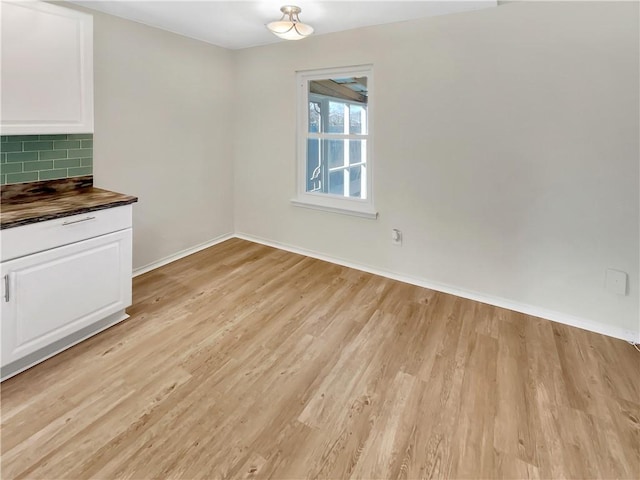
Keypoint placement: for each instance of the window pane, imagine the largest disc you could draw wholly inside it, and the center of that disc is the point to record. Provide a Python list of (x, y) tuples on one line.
[(335, 153), (315, 117), (336, 117), (357, 120), (314, 166), (355, 182), (356, 148), (354, 176), (336, 182)]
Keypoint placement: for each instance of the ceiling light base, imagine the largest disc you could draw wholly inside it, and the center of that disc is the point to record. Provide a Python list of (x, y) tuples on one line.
[(290, 10)]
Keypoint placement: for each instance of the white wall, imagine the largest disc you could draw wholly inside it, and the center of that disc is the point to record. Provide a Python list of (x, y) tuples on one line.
[(506, 149), (163, 133)]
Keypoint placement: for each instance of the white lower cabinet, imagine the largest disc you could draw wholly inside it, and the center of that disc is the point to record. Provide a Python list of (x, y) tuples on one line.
[(54, 298), (49, 295)]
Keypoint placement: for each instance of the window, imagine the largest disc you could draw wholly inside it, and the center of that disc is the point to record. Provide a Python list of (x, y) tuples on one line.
[(334, 140)]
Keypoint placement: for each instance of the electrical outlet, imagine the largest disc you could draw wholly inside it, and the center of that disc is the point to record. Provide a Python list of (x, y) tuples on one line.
[(615, 281), (396, 236)]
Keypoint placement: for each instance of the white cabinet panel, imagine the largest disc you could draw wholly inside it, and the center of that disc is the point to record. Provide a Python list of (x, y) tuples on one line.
[(49, 295), (47, 69)]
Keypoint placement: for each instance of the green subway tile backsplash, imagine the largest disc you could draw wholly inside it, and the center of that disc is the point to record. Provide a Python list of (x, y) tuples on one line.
[(12, 147), (36, 166), (22, 156), (77, 172), (22, 177), (23, 138), (66, 144), (81, 153), (54, 137), (67, 162), (35, 146), (10, 168), (29, 158), (53, 154), (55, 174)]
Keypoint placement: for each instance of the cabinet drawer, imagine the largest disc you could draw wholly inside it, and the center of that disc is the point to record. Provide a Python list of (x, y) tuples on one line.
[(37, 237)]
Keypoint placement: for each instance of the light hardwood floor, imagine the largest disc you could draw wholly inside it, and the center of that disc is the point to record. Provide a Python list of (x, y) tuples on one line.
[(243, 361)]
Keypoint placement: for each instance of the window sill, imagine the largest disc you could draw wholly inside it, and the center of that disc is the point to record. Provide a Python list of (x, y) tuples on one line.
[(364, 212)]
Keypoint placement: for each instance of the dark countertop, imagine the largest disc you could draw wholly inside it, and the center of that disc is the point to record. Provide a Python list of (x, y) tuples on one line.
[(35, 202)]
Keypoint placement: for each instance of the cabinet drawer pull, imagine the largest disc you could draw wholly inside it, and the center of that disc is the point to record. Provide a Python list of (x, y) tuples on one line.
[(78, 221), (6, 288)]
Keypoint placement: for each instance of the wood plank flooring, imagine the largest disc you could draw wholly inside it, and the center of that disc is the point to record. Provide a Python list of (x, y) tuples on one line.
[(243, 361)]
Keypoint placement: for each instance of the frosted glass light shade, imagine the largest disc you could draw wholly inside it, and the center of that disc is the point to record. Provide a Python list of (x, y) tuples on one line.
[(289, 27), (290, 30)]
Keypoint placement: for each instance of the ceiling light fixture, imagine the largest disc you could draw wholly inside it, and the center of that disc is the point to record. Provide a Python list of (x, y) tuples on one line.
[(292, 28)]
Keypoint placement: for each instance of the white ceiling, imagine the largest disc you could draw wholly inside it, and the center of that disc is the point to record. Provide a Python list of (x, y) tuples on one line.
[(241, 24)]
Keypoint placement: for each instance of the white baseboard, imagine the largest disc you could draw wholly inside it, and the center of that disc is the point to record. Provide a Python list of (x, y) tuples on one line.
[(611, 331), (181, 254)]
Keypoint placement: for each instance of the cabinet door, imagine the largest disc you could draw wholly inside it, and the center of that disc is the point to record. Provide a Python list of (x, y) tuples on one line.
[(47, 69), (49, 295)]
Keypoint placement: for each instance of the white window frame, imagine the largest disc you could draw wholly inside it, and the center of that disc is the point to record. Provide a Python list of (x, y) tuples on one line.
[(327, 201)]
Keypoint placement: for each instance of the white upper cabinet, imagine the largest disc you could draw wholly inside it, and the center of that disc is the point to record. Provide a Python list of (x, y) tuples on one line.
[(47, 69)]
